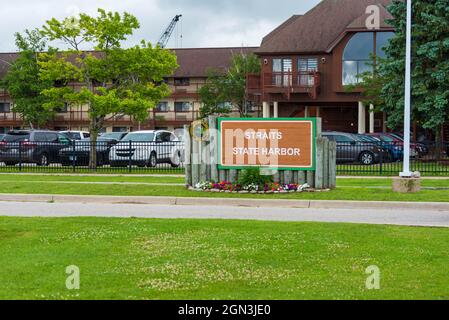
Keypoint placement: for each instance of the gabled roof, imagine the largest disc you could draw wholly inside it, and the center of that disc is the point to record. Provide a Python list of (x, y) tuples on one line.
[(319, 28), (360, 22), (193, 62)]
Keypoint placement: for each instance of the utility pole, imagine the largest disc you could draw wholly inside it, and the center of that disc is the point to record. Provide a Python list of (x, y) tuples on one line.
[(406, 173)]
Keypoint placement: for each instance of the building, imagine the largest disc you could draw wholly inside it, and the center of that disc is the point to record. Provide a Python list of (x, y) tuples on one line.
[(181, 108), (308, 60)]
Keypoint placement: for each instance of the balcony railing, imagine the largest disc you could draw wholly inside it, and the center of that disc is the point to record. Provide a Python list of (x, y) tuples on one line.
[(284, 82)]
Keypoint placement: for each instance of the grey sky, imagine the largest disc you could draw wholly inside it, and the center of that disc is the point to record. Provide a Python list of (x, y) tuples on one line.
[(205, 23)]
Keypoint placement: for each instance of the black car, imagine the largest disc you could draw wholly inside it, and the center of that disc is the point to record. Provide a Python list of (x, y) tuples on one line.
[(354, 148), (32, 146), (78, 154)]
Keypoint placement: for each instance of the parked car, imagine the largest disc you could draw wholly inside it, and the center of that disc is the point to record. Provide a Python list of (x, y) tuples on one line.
[(76, 135), (421, 148), (395, 152), (351, 148), (147, 148), (394, 140), (79, 153), (114, 135), (32, 146)]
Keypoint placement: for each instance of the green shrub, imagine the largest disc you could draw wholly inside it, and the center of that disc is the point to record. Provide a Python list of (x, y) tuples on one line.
[(253, 176)]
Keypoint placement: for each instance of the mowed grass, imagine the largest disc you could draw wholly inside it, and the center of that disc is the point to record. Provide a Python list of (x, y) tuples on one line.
[(196, 259), (347, 189)]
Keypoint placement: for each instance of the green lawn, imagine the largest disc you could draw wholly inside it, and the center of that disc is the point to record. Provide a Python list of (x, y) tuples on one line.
[(196, 259), (348, 189)]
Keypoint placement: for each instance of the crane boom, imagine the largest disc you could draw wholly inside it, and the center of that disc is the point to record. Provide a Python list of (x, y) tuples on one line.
[(168, 32)]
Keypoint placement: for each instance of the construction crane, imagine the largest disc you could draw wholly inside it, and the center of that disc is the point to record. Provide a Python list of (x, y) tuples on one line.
[(168, 32)]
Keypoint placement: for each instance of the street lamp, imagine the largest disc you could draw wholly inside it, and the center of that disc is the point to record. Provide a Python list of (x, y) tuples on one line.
[(406, 173)]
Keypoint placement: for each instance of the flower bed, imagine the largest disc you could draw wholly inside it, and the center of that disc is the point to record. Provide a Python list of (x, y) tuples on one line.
[(267, 188)]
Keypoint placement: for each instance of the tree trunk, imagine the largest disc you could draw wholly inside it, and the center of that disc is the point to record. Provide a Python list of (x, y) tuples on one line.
[(93, 145)]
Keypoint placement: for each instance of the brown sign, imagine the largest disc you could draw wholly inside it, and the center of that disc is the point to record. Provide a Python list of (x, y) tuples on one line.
[(287, 144)]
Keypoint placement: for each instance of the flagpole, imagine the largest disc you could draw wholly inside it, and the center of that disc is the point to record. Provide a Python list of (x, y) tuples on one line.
[(406, 173)]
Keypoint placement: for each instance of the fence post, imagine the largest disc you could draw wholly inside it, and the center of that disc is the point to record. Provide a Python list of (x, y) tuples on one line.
[(73, 154), (130, 157), (319, 174), (213, 148), (195, 162), (20, 156), (187, 155), (381, 158), (204, 151), (332, 164), (326, 180)]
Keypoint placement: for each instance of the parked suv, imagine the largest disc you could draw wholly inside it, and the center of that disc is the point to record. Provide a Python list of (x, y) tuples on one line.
[(147, 148), (351, 148), (32, 146)]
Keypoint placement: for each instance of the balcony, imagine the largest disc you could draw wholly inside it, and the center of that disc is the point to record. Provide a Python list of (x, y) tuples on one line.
[(287, 83), (175, 117)]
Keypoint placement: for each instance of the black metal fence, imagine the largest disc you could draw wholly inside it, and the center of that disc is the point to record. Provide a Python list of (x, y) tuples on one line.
[(386, 159), (77, 157), (360, 158)]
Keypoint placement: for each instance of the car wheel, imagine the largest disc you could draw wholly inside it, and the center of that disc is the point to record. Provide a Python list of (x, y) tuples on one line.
[(152, 162), (43, 160), (366, 158), (176, 161)]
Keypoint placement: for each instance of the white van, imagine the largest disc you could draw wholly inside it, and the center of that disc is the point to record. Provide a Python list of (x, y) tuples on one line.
[(147, 149)]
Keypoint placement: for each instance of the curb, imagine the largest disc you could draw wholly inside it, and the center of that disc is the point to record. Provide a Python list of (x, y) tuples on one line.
[(231, 202)]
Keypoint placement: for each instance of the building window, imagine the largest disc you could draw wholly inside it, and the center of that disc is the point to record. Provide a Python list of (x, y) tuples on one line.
[(63, 109), (306, 68), (119, 129), (183, 106), (359, 54), (5, 107), (282, 72), (225, 105), (162, 107), (182, 82)]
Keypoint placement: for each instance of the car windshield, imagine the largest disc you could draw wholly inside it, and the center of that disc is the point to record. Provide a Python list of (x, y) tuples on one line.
[(367, 139), (73, 135), (386, 138), (397, 136), (16, 137), (114, 135), (139, 137)]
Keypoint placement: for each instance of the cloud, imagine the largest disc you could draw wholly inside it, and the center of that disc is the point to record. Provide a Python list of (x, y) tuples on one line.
[(205, 23)]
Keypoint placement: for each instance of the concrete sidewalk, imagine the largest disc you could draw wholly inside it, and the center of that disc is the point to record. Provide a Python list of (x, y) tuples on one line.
[(421, 218), (228, 202)]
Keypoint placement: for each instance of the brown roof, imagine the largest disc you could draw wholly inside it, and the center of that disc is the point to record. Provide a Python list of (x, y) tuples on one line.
[(318, 29), (192, 62), (5, 61), (197, 62)]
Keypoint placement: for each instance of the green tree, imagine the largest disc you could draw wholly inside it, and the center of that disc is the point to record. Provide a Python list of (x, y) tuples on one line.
[(229, 87), (430, 70), (113, 81), (23, 82)]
